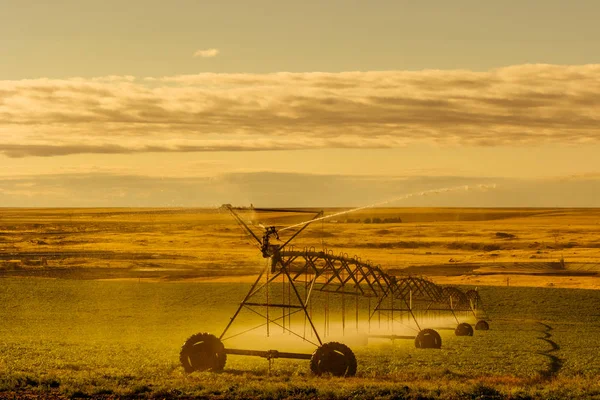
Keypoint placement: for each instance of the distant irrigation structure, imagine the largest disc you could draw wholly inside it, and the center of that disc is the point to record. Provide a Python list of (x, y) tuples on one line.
[(299, 292)]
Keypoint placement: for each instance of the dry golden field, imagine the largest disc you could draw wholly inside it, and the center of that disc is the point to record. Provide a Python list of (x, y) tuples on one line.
[(531, 247)]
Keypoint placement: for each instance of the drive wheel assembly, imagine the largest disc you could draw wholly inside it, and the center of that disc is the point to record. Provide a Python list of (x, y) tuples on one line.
[(334, 358), (464, 329), (482, 325), (201, 352), (428, 339)]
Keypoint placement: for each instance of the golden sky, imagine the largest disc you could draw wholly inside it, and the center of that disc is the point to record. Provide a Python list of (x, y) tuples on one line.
[(197, 103)]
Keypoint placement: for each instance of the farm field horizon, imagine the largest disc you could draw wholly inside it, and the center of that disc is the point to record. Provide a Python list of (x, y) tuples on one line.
[(525, 246)]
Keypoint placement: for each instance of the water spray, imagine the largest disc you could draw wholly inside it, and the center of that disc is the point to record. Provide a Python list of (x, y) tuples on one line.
[(403, 197)]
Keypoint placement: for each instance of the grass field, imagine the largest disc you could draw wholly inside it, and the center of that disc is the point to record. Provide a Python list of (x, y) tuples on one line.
[(78, 338), (97, 302)]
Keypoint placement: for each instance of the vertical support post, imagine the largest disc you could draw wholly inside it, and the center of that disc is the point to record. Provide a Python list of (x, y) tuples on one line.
[(343, 312), (452, 309), (357, 312), (289, 309), (369, 314), (410, 311), (303, 306), (392, 307), (267, 290), (472, 309), (306, 302), (310, 309), (388, 313), (283, 302), (326, 314)]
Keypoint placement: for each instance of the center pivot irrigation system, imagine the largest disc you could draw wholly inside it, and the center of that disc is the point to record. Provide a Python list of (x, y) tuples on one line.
[(297, 291)]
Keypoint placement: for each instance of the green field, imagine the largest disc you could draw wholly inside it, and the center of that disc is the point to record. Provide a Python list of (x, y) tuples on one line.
[(78, 338)]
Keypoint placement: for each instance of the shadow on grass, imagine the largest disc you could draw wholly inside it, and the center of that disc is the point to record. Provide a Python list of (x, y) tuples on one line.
[(556, 363)]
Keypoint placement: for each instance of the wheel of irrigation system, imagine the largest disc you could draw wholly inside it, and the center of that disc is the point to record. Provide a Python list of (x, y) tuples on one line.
[(202, 352), (482, 325), (334, 358), (464, 329), (428, 339)]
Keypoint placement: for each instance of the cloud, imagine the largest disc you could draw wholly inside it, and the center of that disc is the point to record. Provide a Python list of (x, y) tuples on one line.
[(514, 106), (208, 53)]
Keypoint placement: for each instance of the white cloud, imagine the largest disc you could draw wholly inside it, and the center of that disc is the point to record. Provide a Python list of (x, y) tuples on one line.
[(208, 53), (518, 105)]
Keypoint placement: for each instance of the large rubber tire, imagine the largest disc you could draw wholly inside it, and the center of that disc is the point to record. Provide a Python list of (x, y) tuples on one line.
[(428, 339), (334, 358), (482, 325), (464, 329), (202, 352)]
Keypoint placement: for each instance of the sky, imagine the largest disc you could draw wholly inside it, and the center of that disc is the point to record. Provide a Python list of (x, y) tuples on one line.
[(299, 103)]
